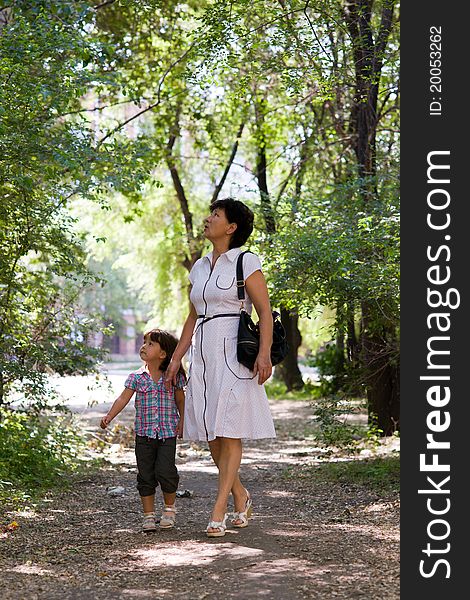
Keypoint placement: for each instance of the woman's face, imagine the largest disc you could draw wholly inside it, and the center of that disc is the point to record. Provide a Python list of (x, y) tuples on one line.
[(217, 226)]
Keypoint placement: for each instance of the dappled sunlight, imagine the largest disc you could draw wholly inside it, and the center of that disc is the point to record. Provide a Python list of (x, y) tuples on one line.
[(192, 553), (132, 593), (30, 569), (299, 539), (297, 533), (201, 468), (278, 568), (280, 494), (28, 513), (369, 531), (377, 507)]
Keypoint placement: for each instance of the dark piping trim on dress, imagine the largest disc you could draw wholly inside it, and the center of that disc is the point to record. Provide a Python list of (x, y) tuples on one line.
[(202, 356)]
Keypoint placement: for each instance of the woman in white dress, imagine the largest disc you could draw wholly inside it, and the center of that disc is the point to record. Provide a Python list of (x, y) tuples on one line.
[(225, 401)]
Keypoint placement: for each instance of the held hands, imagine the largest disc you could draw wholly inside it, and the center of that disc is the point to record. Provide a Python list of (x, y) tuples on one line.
[(105, 421), (263, 368), (171, 373), (179, 429)]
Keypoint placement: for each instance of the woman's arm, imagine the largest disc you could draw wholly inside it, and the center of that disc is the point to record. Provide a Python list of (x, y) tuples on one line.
[(181, 348), (258, 291), (121, 402)]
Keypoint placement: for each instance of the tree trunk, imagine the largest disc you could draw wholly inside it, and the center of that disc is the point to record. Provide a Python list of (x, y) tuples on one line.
[(381, 374), (383, 400), (288, 371), (352, 343), (382, 377)]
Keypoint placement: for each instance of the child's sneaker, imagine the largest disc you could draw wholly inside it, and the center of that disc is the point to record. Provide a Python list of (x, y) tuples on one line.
[(167, 520), (148, 524)]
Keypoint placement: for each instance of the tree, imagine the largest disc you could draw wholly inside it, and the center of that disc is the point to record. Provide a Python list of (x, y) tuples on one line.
[(369, 46), (48, 155), (348, 146)]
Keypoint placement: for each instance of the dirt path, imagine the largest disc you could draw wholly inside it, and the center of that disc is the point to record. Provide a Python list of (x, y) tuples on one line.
[(306, 540)]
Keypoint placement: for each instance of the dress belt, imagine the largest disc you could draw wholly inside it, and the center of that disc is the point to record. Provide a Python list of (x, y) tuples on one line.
[(205, 318)]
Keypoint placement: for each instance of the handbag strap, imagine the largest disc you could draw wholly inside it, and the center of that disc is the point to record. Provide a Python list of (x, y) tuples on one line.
[(240, 278), (241, 281)]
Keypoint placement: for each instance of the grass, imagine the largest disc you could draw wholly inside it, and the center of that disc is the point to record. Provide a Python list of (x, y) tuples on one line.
[(277, 390), (381, 475)]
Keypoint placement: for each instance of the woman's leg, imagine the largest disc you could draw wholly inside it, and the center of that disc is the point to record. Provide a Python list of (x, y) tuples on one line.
[(238, 489), (229, 455)]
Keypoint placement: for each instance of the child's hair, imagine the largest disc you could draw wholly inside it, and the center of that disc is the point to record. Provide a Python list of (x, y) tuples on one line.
[(168, 343)]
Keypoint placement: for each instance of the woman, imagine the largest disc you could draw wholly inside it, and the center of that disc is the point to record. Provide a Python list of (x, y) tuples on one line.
[(225, 401)]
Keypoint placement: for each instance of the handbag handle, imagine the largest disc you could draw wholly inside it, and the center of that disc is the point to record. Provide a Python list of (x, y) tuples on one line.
[(241, 281), (240, 278)]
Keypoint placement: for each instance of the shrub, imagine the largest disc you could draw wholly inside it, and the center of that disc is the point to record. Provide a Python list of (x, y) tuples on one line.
[(35, 453)]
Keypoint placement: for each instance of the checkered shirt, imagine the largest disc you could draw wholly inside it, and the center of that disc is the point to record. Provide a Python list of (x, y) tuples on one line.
[(156, 414)]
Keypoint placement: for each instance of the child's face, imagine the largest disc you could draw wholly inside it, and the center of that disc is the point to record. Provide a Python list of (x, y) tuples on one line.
[(151, 351)]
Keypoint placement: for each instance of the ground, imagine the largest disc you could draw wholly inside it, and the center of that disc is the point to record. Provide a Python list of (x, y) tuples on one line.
[(307, 538)]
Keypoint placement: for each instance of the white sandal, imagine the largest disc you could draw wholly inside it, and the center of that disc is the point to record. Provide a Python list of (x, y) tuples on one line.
[(243, 515), (148, 523), (219, 525), (167, 520)]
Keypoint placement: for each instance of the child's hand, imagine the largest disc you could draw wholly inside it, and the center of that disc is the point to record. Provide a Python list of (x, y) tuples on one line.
[(105, 421)]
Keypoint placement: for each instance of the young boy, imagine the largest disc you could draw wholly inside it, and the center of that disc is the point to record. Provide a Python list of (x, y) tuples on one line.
[(159, 413)]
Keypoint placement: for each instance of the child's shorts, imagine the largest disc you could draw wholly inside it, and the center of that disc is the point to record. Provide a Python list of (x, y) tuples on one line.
[(156, 465)]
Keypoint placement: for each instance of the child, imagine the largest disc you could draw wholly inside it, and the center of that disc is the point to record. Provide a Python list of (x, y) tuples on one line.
[(158, 421)]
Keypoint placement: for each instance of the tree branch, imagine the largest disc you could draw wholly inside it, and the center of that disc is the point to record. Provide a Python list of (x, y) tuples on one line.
[(384, 30), (155, 104), (219, 186), (103, 4), (304, 10), (181, 195), (95, 108), (284, 185)]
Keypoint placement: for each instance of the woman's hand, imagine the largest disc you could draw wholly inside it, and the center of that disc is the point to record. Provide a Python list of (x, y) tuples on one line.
[(179, 429), (171, 373), (105, 421), (263, 367)]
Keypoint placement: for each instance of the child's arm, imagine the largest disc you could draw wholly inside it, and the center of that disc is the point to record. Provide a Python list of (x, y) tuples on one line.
[(179, 399), (121, 402)]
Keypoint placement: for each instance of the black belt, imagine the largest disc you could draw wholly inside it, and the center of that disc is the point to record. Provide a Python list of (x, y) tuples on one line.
[(205, 318)]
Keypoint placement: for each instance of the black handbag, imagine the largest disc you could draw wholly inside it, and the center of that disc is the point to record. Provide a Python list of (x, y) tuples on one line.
[(248, 331)]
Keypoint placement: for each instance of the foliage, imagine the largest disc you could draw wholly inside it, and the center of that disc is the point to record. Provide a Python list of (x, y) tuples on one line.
[(332, 413), (330, 363), (36, 451), (153, 109), (332, 250), (48, 153), (336, 252)]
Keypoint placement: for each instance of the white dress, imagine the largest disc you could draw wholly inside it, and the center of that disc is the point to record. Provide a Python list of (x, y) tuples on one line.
[(222, 397)]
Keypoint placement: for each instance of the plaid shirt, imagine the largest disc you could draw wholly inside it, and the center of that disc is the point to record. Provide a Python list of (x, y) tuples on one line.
[(156, 414)]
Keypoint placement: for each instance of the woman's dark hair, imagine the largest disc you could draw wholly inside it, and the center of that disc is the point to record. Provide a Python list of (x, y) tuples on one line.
[(239, 213), (167, 342)]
